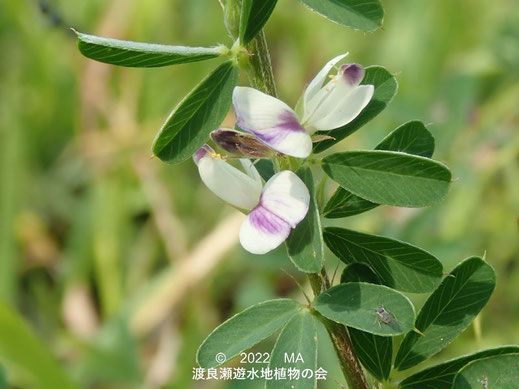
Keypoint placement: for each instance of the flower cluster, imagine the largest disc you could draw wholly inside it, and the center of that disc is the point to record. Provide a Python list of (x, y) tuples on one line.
[(272, 129)]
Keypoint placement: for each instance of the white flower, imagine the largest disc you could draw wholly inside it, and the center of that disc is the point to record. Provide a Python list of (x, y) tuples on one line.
[(325, 108), (273, 210)]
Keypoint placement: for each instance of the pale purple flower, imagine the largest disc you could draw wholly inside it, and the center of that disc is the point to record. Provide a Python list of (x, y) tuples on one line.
[(273, 210), (325, 107)]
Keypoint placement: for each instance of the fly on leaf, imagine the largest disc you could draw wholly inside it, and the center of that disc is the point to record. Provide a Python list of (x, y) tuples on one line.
[(386, 317)]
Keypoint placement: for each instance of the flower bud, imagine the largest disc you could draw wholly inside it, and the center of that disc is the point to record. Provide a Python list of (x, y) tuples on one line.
[(241, 144)]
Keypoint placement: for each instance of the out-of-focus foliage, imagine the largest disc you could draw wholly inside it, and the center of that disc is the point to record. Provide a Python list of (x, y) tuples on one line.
[(121, 265)]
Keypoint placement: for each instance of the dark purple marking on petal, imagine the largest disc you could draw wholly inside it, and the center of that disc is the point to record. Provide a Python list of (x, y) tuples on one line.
[(353, 73), (264, 220), (202, 152), (282, 202), (287, 122)]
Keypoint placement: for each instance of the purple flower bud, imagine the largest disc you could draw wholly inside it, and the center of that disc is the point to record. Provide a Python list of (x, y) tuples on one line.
[(242, 144)]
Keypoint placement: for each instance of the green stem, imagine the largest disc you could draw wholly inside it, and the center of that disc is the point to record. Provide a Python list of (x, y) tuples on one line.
[(320, 193), (259, 70), (350, 365), (261, 77), (232, 13)]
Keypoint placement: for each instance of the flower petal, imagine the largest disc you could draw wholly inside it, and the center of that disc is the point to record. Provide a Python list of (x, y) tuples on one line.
[(284, 203), (347, 110), (202, 152), (262, 231), (336, 98), (271, 121), (251, 171), (227, 182), (286, 196), (352, 73), (316, 84)]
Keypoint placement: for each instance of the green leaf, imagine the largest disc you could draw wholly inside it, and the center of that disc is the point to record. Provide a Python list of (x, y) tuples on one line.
[(142, 55), (364, 15), (244, 330), (298, 337), (411, 138), (200, 112), (397, 264), (388, 177), (385, 88), (448, 311), (359, 272), (22, 349), (254, 15), (305, 243), (441, 376), (500, 372), (374, 352), (265, 168), (345, 204), (355, 304)]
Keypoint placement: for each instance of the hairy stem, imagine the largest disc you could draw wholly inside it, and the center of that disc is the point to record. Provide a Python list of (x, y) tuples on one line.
[(259, 70), (350, 365)]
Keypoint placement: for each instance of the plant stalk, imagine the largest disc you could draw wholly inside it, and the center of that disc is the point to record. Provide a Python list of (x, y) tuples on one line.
[(348, 360), (259, 70), (262, 78)]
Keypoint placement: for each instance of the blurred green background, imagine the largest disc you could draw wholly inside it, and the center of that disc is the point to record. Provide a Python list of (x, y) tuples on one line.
[(114, 266)]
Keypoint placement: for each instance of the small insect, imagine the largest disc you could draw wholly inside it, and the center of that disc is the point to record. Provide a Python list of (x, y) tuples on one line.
[(484, 381), (386, 317)]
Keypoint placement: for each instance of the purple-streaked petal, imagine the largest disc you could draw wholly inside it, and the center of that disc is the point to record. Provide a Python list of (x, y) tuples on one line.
[(286, 196), (352, 73), (202, 152), (335, 99), (227, 182), (263, 231), (272, 121), (283, 204), (316, 84)]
